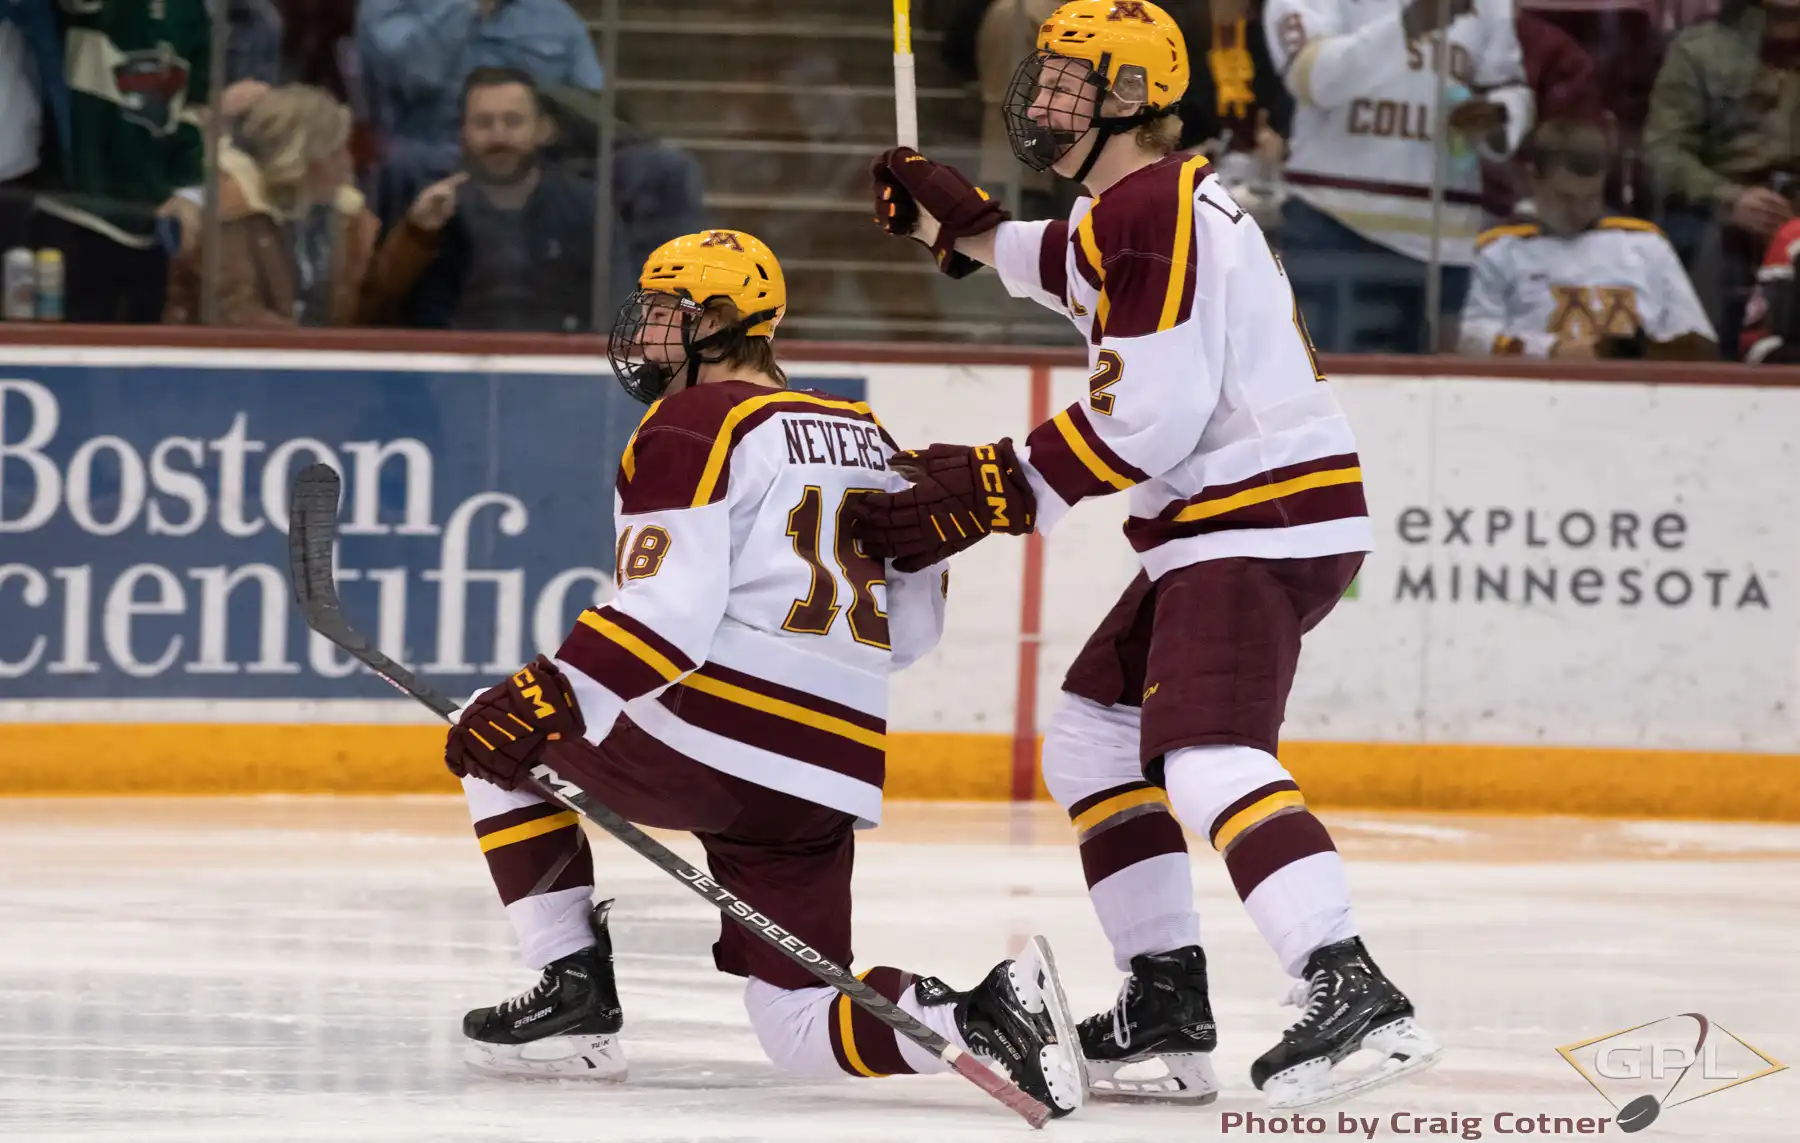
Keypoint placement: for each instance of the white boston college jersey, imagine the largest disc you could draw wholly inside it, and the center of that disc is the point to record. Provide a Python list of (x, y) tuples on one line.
[(1361, 147), (1205, 400), (749, 632), (1621, 275)]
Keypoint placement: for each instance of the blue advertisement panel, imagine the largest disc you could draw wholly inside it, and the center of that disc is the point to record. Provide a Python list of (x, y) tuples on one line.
[(143, 516)]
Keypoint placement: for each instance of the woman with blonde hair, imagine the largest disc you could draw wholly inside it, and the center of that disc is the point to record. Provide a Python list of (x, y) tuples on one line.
[(295, 237)]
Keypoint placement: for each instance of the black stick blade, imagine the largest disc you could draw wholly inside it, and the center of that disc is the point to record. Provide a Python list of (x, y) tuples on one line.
[(312, 529)]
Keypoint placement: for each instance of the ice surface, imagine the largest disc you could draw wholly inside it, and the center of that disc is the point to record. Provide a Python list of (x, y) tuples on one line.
[(296, 969)]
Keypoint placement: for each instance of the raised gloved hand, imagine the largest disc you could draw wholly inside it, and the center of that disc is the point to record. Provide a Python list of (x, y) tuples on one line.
[(959, 495), (907, 183), (500, 734)]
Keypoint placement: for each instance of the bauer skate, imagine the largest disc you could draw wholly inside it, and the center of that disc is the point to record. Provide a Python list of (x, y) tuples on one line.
[(1349, 1007), (564, 1026), (1019, 1019), (1163, 1017)]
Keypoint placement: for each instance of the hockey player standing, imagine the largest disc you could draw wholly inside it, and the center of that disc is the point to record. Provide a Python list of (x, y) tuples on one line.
[(736, 687), (1246, 509), (1357, 228)]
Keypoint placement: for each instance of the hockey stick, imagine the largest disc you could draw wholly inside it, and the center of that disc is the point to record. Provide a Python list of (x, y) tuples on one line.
[(906, 87), (312, 534)]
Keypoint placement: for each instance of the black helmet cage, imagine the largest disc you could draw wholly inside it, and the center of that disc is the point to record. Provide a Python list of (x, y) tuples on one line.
[(661, 318), (1040, 146)]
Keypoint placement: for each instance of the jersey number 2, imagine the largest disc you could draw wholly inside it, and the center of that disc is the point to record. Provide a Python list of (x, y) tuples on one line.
[(815, 614)]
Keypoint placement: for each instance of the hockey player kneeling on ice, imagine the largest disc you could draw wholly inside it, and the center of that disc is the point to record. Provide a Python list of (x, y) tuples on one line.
[(736, 688), (1247, 515)]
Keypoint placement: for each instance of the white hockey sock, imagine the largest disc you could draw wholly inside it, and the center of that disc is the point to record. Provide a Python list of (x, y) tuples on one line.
[(1133, 854), (541, 866), (1147, 907), (550, 926), (1280, 857), (819, 1032)]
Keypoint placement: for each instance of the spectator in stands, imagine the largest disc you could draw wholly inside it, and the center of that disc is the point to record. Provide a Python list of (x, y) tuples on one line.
[(1236, 108), (1008, 32), (1572, 280), (1561, 76), (1359, 228), (1723, 142), (295, 238), (253, 47), (1772, 319), (415, 52), (139, 86), (507, 243), (33, 96)]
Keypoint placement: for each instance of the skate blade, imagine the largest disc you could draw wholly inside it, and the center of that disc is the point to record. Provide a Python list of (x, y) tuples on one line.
[(1188, 1080), (553, 1057), (1405, 1048), (1035, 983)]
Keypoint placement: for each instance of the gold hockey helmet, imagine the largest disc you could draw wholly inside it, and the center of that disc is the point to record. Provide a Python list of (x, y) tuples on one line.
[(656, 334), (1131, 49)]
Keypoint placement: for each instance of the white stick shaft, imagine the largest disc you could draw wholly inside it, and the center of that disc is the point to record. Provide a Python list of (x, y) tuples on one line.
[(906, 87), (906, 102)]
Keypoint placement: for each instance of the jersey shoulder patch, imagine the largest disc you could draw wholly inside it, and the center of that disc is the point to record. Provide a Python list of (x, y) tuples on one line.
[(1139, 212), (1509, 230), (1622, 222), (1139, 241), (680, 455)]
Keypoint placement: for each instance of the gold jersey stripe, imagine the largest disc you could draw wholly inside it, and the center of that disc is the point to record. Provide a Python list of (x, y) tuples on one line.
[(793, 712), (1065, 425), (1184, 237), (1130, 799), (525, 832), (628, 462), (1268, 492), (1090, 249), (848, 1036), (721, 449), (654, 659), (1256, 812)]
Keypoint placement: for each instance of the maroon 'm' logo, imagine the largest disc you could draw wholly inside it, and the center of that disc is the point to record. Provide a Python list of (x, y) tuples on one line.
[(1130, 10), (722, 238)]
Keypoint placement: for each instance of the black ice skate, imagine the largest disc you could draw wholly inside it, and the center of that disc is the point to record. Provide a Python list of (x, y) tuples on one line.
[(1163, 1017), (1349, 1006), (564, 1026), (1019, 1019)]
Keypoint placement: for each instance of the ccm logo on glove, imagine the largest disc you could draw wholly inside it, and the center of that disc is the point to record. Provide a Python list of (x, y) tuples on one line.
[(501, 735), (533, 692), (994, 485)]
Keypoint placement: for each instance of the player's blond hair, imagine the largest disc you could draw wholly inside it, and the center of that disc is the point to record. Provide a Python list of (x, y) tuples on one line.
[(285, 132), (756, 353), (1160, 136)]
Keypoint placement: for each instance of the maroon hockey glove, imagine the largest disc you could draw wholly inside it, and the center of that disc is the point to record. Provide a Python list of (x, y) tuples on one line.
[(959, 495), (500, 735), (906, 181)]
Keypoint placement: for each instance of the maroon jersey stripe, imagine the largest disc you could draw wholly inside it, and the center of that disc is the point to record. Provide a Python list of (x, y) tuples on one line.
[(1311, 506), (799, 698), (777, 735), (1053, 259)]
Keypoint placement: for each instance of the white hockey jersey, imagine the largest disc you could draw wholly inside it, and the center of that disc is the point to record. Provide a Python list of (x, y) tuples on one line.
[(749, 632), (1360, 148), (1621, 275), (1206, 401)]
